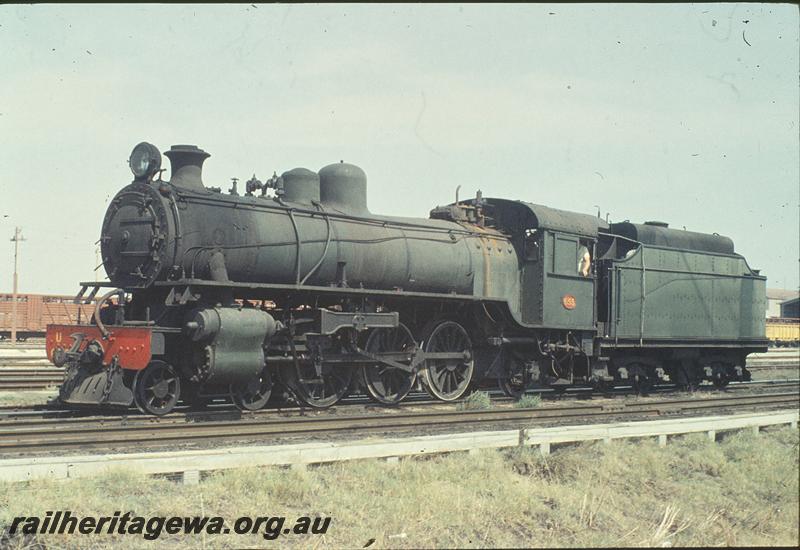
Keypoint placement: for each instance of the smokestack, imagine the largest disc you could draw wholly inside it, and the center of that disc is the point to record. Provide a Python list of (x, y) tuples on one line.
[(187, 166)]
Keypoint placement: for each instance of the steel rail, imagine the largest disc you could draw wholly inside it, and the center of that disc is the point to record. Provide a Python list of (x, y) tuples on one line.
[(228, 414), (29, 377), (141, 431), (223, 409)]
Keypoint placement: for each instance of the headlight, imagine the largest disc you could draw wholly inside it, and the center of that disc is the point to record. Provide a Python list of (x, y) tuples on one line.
[(145, 161)]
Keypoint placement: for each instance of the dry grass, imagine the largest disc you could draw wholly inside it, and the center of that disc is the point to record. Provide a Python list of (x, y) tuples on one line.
[(477, 400), (529, 401), (740, 491)]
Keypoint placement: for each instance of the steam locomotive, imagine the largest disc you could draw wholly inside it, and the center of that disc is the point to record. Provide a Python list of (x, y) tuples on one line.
[(296, 285)]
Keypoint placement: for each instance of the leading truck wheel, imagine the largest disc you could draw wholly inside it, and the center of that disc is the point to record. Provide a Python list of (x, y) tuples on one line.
[(252, 395), (318, 390), (448, 372), (156, 388)]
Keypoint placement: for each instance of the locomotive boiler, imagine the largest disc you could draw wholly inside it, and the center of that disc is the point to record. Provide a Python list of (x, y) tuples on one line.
[(294, 283)]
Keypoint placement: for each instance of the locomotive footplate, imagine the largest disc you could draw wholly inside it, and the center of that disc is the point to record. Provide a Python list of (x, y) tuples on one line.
[(329, 322)]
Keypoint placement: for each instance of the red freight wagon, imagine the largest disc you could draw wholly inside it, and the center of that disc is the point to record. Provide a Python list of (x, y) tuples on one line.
[(36, 311)]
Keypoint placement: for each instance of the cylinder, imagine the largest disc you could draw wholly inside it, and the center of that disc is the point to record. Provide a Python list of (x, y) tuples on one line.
[(233, 339)]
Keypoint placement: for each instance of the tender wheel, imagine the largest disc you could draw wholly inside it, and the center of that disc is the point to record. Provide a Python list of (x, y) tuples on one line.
[(641, 380), (252, 395), (447, 378), (511, 387), (604, 387), (688, 379), (385, 384), (518, 379), (319, 391), (721, 375), (643, 385), (156, 388)]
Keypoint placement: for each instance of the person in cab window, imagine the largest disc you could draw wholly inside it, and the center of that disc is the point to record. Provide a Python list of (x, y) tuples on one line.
[(584, 261)]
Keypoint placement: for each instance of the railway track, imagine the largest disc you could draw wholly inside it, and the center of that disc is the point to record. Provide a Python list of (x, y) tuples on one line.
[(29, 378), (221, 407), (26, 436), (31, 343), (32, 376)]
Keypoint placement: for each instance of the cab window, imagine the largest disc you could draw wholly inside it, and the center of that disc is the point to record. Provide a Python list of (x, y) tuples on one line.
[(564, 256), (532, 245)]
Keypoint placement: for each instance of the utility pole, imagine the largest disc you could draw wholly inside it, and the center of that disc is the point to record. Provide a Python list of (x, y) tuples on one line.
[(16, 240)]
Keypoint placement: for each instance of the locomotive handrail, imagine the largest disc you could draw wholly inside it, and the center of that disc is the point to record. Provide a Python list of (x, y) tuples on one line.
[(327, 243), (96, 315), (642, 302), (291, 211), (198, 249), (217, 201), (297, 250), (178, 234), (248, 285), (371, 241)]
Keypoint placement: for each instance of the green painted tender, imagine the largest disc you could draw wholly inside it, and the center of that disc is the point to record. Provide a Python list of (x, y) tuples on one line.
[(651, 286), (680, 286)]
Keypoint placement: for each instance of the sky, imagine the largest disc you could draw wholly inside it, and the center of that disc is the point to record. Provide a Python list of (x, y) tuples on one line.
[(684, 113)]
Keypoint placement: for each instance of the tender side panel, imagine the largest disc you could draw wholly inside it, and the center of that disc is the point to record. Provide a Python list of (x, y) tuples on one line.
[(668, 294), (131, 344)]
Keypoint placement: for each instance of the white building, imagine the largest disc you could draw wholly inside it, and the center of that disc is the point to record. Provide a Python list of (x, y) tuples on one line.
[(775, 296)]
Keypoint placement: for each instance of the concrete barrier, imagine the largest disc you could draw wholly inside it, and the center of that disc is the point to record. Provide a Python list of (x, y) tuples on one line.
[(194, 461)]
